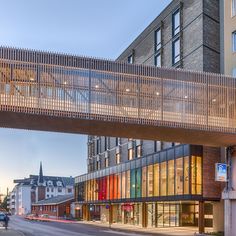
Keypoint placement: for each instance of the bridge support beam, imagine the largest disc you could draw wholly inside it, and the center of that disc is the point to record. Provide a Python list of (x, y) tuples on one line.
[(229, 194)]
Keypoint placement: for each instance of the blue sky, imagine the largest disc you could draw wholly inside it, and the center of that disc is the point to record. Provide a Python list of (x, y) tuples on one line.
[(99, 28)]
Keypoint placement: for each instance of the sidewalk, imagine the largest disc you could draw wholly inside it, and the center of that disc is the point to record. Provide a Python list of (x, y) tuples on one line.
[(173, 231), (9, 232)]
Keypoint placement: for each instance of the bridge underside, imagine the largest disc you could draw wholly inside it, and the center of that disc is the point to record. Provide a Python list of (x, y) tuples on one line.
[(114, 129)]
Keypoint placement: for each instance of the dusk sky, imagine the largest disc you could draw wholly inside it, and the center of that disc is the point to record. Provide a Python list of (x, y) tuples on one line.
[(99, 28)]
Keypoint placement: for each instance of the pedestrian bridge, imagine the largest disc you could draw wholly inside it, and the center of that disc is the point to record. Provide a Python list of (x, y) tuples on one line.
[(65, 93)]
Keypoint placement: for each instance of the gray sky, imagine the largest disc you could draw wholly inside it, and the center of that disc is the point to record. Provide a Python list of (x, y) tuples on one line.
[(99, 28)]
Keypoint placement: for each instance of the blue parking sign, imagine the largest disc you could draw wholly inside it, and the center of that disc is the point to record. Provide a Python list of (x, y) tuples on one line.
[(221, 172)]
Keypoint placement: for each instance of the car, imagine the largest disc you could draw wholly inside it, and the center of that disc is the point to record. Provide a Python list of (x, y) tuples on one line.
[(30, 216), (44, 216), (2, 216)]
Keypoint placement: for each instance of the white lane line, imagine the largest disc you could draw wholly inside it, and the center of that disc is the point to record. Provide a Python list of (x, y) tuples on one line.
[(121, 233)]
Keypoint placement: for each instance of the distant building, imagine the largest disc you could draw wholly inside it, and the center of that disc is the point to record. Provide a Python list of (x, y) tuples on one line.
[(37, 188), (54, 207)]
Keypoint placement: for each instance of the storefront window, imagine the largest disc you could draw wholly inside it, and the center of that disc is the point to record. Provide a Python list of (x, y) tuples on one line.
[(186, 175), (144, 182), (156, 180), (171, 177), (179, 177), (160, 215), (166, 218), (163, 179), (151, 215), (150, 181)]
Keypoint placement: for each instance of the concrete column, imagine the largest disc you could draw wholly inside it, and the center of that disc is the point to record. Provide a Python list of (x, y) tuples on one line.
[(201, 224), (229, 195), (218, 216)]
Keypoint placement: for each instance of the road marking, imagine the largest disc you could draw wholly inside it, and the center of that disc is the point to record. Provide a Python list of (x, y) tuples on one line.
[(121, 233)]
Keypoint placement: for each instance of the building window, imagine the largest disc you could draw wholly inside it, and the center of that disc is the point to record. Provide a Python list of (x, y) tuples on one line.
[(106, 162), (158, 60), (139, 151), (118, 141), (131, 59), (59, 190), (176, 22), (47, 189), (117, 158), (233, 7), (69, 190), (130, 154), (234, 41), (158, 39), (176, 51), (234, 72)]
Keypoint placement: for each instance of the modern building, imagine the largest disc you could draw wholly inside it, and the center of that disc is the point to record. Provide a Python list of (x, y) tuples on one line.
[(155, 183), (228, 37), (37, 188), (55, 207)]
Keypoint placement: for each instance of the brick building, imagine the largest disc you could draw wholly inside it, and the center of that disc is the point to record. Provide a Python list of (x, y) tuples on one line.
[(155, 183), (55, 207)]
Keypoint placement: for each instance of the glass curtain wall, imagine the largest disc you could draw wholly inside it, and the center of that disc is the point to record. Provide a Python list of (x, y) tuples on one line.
[(180, 176)]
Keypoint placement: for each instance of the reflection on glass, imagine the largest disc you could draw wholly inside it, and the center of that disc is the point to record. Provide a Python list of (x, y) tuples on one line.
[(150, 181), (123, 184), (171, 178), (186, 175), (132, 183), (144, 182), (179, 176), (128, 184), (156, 180), (196, 174), (163, 179)]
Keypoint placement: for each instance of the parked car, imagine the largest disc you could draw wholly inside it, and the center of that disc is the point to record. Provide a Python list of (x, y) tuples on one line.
[(30, 217), (44, 216)]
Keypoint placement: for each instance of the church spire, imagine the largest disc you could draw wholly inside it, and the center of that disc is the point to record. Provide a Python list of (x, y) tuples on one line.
[(40, 179)]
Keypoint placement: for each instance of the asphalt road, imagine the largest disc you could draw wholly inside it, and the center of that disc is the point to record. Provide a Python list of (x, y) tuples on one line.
[(32, 228)]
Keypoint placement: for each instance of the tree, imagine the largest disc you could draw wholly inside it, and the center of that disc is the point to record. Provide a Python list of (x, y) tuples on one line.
[(4, 204)]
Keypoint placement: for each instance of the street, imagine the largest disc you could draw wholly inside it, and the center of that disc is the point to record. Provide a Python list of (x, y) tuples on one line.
[(32, 228)]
